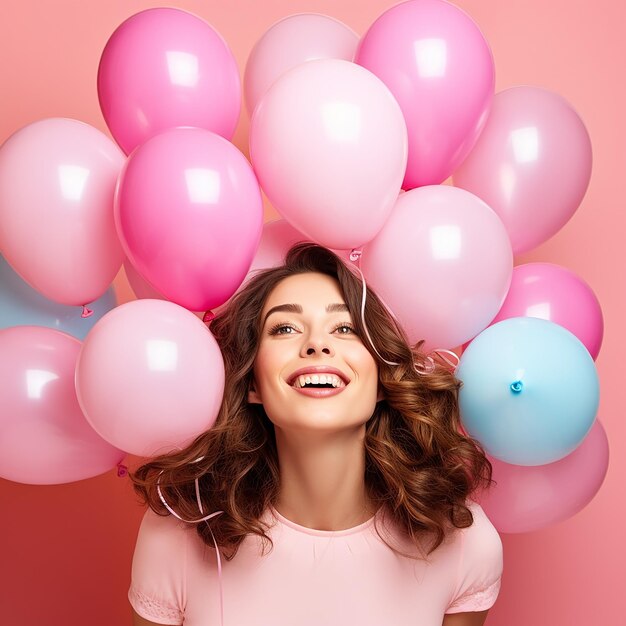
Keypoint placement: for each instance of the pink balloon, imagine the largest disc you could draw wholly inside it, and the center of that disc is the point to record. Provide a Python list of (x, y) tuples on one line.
[(528, 498), (277, 238), (57, 180), (531, 165), (432, 267), (141, 288), (439, 67), (163, 68), (150, 377), (293, 40), (328, 144), (556, 294), (189, 214), (44, 437)]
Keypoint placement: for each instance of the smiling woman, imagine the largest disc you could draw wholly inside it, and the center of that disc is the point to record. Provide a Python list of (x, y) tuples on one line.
[(356, 472)]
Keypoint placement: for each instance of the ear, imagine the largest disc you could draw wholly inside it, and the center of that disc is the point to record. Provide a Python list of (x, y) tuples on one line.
[(254, 397), (380, 395)]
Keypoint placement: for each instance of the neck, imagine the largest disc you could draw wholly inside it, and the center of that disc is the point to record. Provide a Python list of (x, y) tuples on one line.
[(323, 479)]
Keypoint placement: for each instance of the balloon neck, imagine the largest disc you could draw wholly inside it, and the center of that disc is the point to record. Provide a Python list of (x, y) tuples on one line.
[(122, 470), (208, 316), (517, 386), (86, 312)]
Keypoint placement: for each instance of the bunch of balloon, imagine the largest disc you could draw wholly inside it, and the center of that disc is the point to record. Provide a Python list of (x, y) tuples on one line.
[(60, 250), (520, 163), (189, 215)]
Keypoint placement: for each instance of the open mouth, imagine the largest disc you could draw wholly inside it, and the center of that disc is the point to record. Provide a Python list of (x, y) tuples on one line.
[(325, 381), (318, 380)]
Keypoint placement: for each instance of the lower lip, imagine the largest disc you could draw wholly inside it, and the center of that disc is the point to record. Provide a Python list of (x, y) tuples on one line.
[(319, 393)]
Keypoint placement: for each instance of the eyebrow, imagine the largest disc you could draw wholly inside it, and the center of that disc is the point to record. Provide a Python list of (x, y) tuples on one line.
[(296, 308)]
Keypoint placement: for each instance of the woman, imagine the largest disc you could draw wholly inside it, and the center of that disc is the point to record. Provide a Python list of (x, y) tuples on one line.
[(339, 469)]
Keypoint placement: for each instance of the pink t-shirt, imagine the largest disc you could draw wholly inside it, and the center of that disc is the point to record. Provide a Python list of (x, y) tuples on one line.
[(312, 577)]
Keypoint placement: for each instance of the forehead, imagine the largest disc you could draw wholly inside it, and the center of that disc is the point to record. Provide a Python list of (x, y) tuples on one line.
[(310, 290)]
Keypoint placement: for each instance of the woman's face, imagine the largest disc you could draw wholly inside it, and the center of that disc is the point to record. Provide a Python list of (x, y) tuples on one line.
[(307, 338)]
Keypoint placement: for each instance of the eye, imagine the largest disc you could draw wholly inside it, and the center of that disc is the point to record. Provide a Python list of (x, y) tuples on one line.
[(345, 328), (282, 329)]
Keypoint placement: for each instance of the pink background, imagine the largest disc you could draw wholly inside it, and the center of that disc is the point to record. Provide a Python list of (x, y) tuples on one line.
[(66, 549)]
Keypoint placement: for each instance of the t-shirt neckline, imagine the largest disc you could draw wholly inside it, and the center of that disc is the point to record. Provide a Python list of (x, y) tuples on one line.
[(324, 533)]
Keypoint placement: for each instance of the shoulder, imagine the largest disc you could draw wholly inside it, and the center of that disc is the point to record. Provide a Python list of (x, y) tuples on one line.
[(479, 564), (481, 538)]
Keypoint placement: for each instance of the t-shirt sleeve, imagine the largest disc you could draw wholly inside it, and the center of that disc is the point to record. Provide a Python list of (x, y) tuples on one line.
[(480, 565), (157, 589)]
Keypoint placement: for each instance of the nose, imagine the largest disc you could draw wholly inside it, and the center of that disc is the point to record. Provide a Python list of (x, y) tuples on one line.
[(316, 345)]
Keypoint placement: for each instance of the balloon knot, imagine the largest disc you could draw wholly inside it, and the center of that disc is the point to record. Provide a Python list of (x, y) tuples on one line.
[(355, 254), (208, 316), (86, 312), (517, 386), (122, 470)]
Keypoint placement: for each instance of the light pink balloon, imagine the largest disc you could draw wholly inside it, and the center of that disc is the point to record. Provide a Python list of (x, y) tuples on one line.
[(529, 498), (44, 436), (531, 165), (442, 263), (277, 238), (556, 294), (57, 180), (328, 144), (293, 40), (163, 68), (150, 377), (189, 214), (439, 67)]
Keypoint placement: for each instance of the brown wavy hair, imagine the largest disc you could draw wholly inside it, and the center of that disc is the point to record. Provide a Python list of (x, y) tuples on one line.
[(419, 462)]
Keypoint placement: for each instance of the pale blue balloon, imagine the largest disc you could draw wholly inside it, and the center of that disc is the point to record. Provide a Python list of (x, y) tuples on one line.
[(21, 305), (530, 391)]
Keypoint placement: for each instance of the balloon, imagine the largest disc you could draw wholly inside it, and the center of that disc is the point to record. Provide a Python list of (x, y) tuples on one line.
[(328, 144), (277, 238), (530, 391), (554, 293), (150, 377), (23, 306), (530, 498), (57, 180), (293, 40), (141, 288), (44, 437), (189, 214), (163, 68), (439, 67), (531, 165), (431, 266)]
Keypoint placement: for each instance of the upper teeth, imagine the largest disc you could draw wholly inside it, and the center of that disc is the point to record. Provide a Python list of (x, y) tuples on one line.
[(323, 379)]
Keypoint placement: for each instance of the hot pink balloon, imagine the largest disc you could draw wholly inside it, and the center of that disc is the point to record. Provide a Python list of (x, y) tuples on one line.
[(328, 144), (529, 498), (189, 214), (293, 40), (431, 265), (44, 436), (57, 231), (531, 165), (150, 377), (163, 68), (556, 294), (439, 67)]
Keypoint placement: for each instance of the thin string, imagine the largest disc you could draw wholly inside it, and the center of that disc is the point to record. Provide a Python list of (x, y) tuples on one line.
[(203, 519), (355, 257)]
